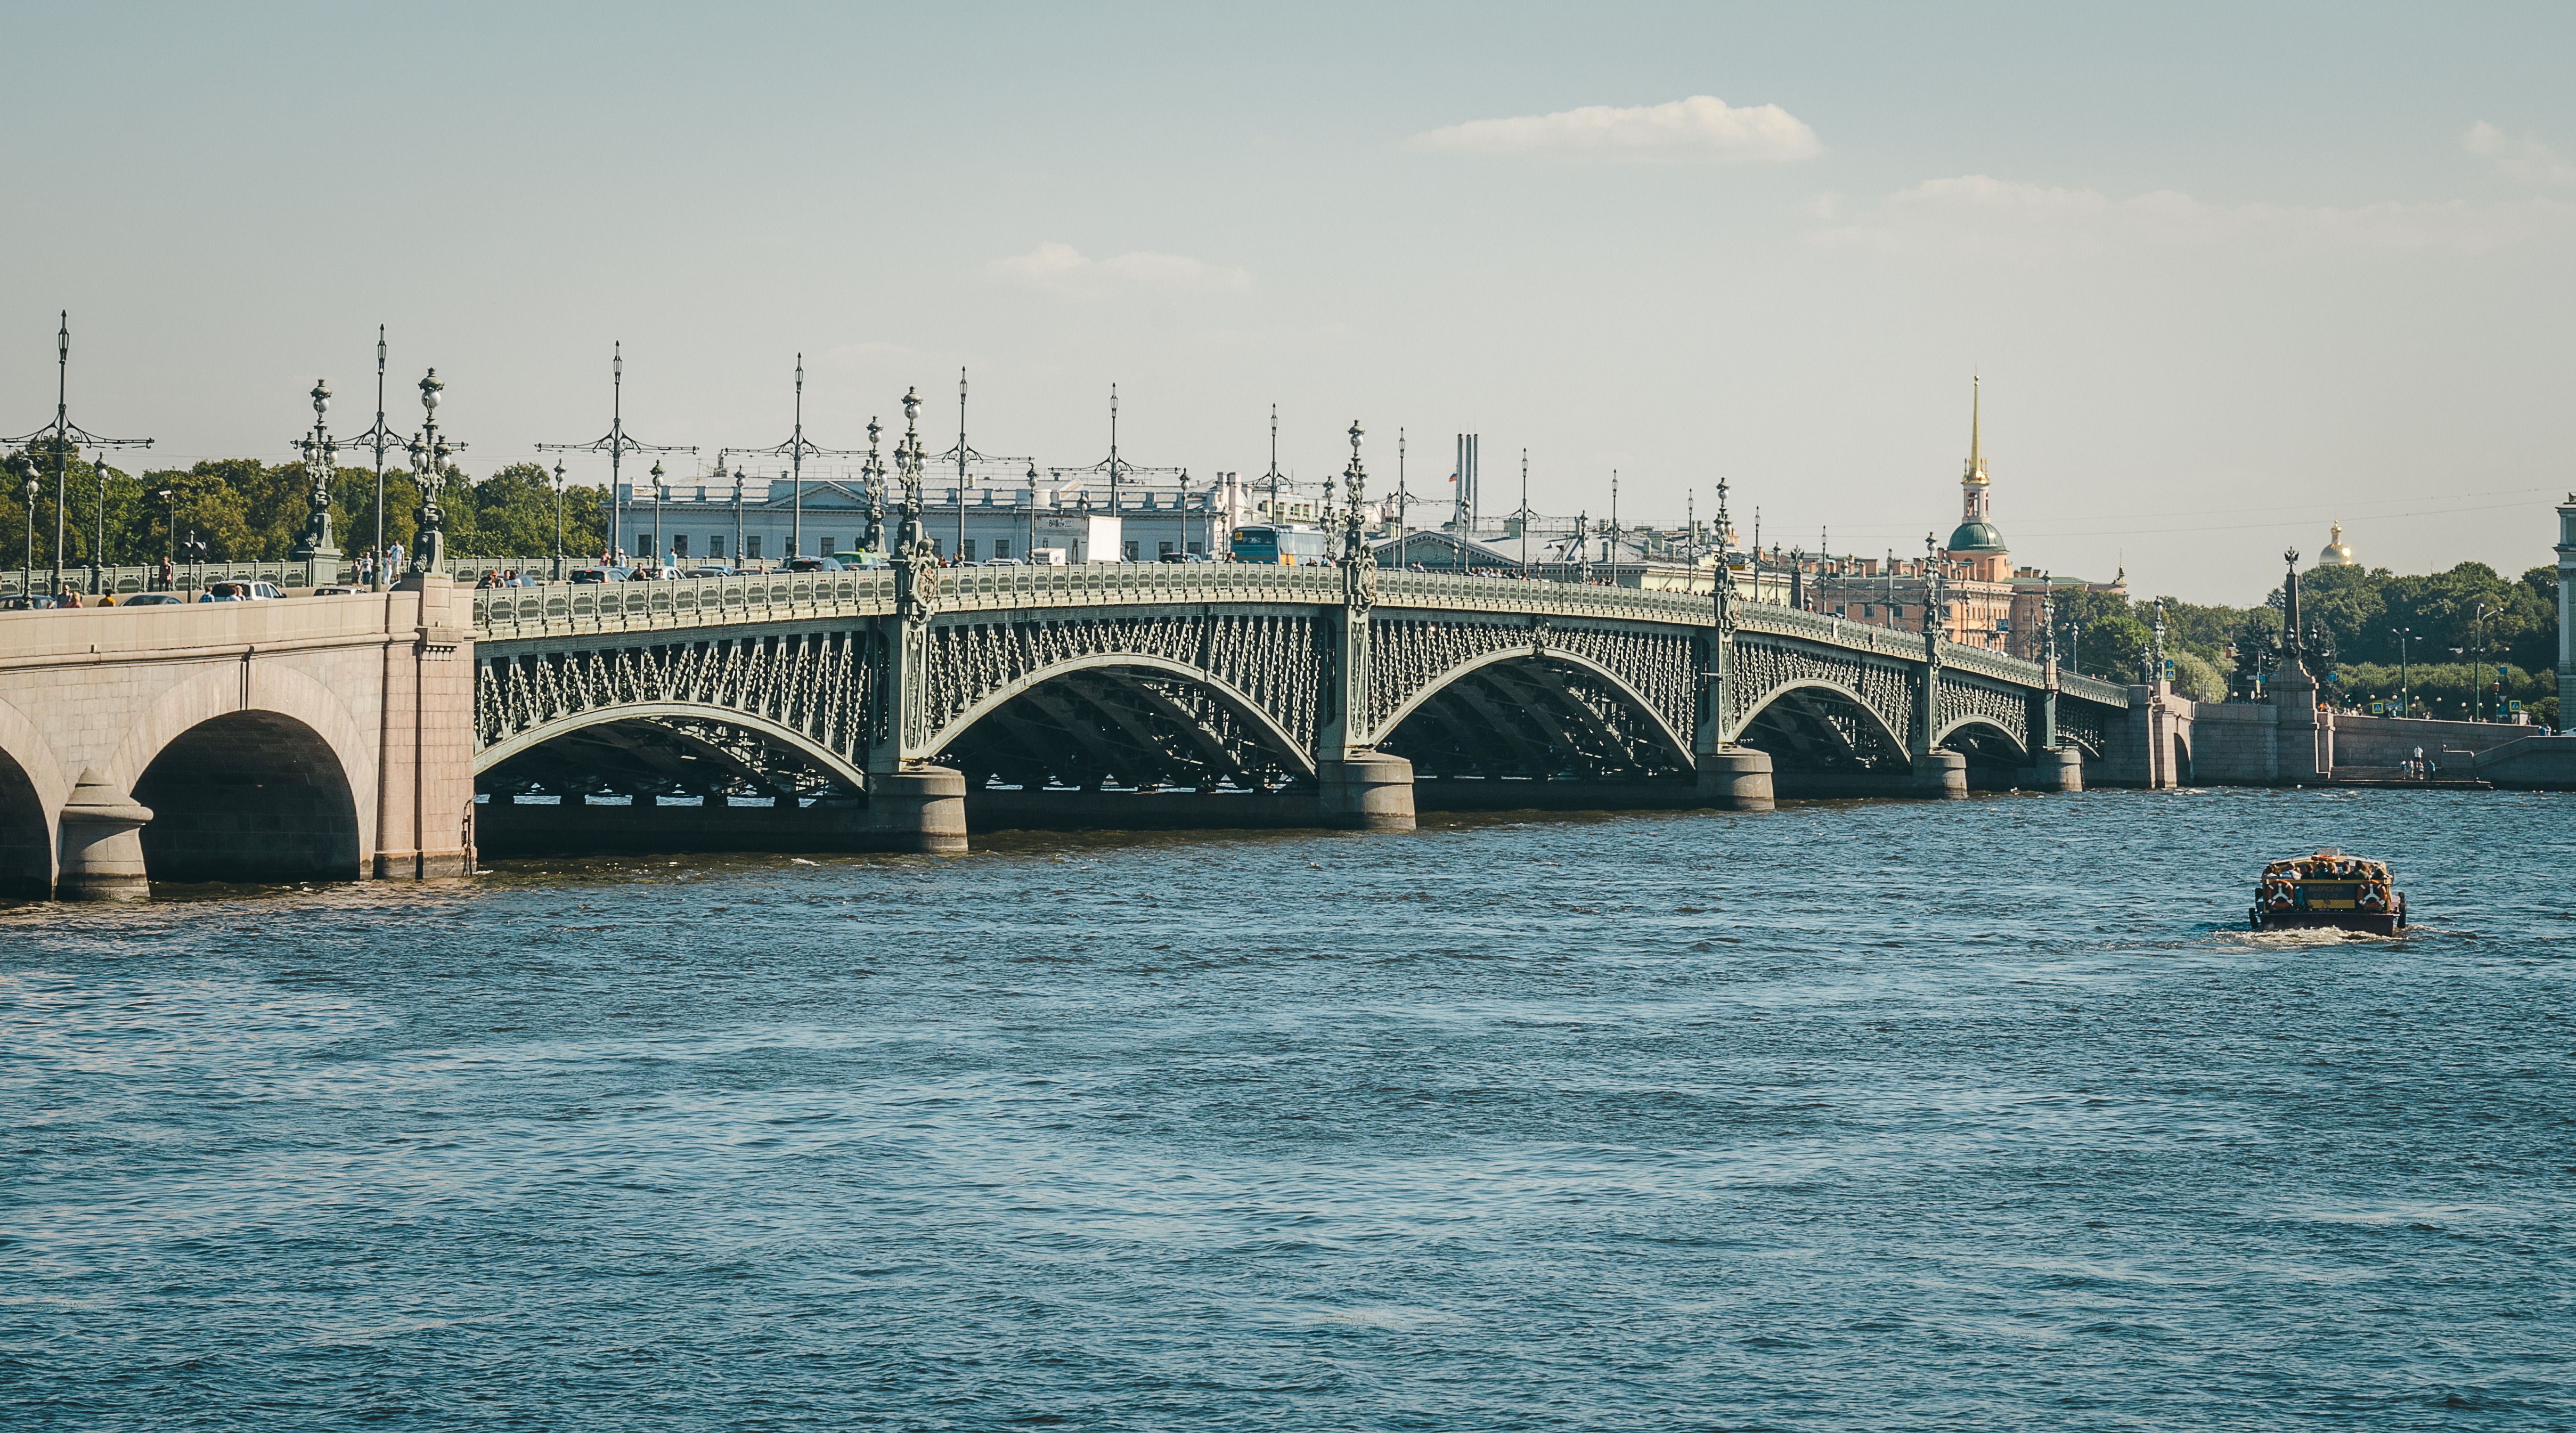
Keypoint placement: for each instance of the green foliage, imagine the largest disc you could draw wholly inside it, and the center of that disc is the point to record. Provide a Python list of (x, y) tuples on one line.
[(2195, 676), (2206, 630), (2471, 607), (249, 511), (2451, 690)]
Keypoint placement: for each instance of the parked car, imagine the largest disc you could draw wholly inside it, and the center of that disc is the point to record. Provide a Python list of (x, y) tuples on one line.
[(151, 599)]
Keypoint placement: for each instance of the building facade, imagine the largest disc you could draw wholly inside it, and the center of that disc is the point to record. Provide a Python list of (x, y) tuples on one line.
[(758, 524)]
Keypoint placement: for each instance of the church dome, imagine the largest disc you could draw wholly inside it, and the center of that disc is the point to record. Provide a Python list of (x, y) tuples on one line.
[(1977, 537), (2336, 554)]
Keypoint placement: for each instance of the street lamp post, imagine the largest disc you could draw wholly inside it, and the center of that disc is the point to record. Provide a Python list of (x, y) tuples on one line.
[(661, 495), (65, 435), (379, 438), (2485, 649), (27, 576), (170, 528), (559, 520), (98, 547), (321, 453), (617, 445), (796, 449), (429, 453), (2405, 684), (737, 509)]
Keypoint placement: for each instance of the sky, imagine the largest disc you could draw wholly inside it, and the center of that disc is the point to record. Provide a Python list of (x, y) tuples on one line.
[(2228, 272)]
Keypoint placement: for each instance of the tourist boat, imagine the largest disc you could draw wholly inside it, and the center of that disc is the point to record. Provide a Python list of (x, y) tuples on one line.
[(2328, 890)]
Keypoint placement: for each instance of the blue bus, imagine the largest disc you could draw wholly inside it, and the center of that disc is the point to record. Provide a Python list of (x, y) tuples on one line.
[(1286, 544)]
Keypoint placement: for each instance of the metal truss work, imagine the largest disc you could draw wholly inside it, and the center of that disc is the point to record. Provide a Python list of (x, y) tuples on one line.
[(1766, 668), (2086, 726), (1534, 716), (819, 690), (1275, 664), (1654, 669), (1966, 700), (1198, 677), (666, 756), (1825, 729), (1148, 728)]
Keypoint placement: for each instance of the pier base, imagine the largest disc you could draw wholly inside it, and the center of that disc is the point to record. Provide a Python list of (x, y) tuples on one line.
[(1737, 778), (1940, 775), (102, 850), (1368, 792), (2060, 770), (921, 808)]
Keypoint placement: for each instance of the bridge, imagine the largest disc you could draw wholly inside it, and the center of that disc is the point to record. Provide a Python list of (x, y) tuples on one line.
[(396, 734)]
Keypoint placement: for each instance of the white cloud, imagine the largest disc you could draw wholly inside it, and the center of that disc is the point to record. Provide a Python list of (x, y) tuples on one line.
[(1063, 270), (1978, 213), (1698, 130), (2524, 161)]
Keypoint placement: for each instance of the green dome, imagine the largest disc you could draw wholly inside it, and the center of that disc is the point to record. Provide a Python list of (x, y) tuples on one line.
[(1977, 537)]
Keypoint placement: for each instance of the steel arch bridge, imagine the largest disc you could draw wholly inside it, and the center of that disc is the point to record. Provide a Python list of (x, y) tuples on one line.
[(1220, 678)]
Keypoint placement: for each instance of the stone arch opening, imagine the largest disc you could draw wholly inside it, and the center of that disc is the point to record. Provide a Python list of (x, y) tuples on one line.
[(249, 796), (1111, 724), (26, 836), (1544, 717)]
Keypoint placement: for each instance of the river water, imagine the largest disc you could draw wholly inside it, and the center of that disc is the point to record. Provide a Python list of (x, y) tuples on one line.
[(1847, 1116)]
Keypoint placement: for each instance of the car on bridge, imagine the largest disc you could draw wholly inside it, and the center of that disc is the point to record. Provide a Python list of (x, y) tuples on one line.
[(151, 599), (601, 574)]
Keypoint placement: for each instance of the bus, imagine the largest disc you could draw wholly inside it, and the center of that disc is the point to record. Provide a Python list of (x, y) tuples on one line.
[(1283, 543)]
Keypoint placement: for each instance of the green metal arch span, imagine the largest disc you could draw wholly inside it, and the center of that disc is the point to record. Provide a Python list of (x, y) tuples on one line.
[(1894, 737), (1989, 724), (1267, 728), (1539, 655), (787, 736)]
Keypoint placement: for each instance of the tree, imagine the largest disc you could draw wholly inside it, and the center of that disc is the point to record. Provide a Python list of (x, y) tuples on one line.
[(2196, 676)]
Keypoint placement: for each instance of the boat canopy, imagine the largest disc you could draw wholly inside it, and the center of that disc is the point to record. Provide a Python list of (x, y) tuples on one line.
[(2326, 865)]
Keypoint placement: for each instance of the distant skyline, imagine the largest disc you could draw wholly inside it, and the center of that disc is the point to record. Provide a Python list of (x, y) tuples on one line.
[(2229, 275)]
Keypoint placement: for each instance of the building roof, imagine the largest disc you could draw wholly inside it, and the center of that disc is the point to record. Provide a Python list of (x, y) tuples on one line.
[(1978, 538), (2336, 554), (1433, 548)]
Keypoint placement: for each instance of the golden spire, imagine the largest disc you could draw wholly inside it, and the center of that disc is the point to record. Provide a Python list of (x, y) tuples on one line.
[(1976, 451)]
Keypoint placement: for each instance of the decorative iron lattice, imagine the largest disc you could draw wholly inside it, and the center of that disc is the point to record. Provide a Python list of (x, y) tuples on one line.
[(1764, 669), (824, 685), (1965, 698), (1411, 654), (1118, 726), (2085, 725), (1277, 662)]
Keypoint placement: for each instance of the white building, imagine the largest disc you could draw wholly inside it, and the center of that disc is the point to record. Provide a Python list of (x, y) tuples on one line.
[(762, 526)]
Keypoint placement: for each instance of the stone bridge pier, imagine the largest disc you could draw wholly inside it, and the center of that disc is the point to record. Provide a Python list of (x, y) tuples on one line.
[(304, 740)]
